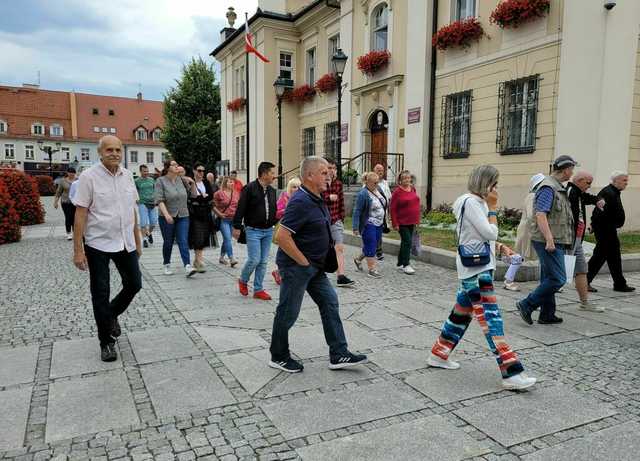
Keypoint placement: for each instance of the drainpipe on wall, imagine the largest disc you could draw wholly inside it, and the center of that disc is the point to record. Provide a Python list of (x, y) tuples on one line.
[(432, 99), (125, 156)]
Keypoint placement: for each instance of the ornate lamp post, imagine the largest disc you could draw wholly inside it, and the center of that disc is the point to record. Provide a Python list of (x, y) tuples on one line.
[(49, 151), (281, 85), (339, 62)]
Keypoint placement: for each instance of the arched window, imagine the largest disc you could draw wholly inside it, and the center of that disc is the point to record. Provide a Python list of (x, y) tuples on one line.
[(379, 27)]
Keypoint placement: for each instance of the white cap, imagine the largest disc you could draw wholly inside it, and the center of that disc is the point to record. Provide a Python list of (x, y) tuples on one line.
[(535, 180)]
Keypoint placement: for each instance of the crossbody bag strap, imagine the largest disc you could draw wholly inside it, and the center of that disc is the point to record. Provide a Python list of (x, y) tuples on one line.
[(459, 231)]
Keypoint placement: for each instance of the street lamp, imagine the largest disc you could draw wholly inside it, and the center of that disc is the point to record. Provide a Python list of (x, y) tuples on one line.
[(339, 62), (49, 151), (281, 85)]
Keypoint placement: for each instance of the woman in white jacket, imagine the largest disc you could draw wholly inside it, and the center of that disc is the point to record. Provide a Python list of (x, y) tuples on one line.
[(476, 295)]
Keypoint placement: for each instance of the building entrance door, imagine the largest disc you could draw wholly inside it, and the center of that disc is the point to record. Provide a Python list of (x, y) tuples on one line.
[(378, 125)]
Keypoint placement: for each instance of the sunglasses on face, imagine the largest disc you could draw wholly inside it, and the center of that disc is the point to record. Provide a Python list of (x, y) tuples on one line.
[(199, 170)]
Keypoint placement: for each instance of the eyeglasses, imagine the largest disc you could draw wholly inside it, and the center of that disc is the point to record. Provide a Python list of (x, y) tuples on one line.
[(200, 170)]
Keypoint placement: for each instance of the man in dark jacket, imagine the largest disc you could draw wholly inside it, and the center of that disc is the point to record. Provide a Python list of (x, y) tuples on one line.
[(579, 198), (605, 224), (257, 212)]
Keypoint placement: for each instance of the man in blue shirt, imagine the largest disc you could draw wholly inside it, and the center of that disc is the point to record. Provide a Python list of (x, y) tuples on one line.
[(304, 238)]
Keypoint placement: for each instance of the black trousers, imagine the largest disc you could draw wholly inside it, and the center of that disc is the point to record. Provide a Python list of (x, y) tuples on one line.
[(69, 211), (607, 250), (105, 311)]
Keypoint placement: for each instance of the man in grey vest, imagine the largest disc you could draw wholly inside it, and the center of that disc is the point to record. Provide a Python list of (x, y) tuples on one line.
[(552, 235)]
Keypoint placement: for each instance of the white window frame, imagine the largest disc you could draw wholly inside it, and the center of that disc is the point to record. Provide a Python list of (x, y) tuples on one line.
[(112, 130), (40, 127), (151, 157), (4, 127), (105, 129), (379, 28), (29, 152), (156, 134), (311, 65), (141, 134), (463, 9), (309, 141), (333, 44), (56, 130), (66, 154), (85, 154), (283, 67), (239, 88), (96, 129), (133, 156), (10, 151)]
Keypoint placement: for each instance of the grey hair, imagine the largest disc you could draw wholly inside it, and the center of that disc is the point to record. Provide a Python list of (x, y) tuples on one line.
[(103, 140), (581, 174), (482, 178), (617, 174), (309, 164)]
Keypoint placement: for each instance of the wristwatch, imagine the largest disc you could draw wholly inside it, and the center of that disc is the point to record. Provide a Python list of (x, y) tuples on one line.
[(492, 213)]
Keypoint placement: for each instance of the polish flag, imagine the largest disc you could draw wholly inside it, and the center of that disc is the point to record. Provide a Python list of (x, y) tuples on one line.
[(249, 48)]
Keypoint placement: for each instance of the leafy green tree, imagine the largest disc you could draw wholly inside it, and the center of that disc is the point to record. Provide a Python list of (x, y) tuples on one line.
[(192, 116)]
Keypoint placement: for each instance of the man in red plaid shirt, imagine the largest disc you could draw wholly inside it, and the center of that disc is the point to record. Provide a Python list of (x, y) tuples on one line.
[(334, 198)]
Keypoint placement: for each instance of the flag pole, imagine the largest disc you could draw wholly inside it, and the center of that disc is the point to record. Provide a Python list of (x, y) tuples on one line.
[(246, 96)]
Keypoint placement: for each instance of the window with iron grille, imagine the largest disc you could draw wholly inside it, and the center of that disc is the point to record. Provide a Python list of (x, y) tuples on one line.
[(517, 115), (331, 139), (455, 127), (309, 142)]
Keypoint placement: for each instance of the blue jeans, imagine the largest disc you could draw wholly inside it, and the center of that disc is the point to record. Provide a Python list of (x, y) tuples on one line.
[(371, 235), (227, 243), (179, 231), (552, 277), (295, 281), (258, 246), (148, 217)]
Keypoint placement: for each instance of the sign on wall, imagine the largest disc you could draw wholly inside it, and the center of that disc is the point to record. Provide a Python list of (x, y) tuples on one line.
[(413, 115)]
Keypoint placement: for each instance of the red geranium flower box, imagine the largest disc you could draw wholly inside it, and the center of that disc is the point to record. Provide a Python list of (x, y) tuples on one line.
[(458, 34), (513, 13), (301, 94), (236, 104), (374, 61), (327, 83)]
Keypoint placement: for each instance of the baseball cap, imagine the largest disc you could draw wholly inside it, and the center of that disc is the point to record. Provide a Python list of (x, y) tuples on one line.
[(564, 161), (535, 180)]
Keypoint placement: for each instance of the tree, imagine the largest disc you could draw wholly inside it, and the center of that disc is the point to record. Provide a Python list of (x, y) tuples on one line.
[(192, 116)]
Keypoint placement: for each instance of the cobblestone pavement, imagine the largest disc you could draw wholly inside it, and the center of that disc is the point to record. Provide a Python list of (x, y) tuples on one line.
[(192, 380)]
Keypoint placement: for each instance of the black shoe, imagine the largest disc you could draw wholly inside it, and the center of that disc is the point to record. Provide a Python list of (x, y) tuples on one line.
[(150, 237), (526, 316), (289, 365), (380, 257), (145, 243), (116, 331), (344, 281), (624, 289), (550, 321), (108, 352), (346, 361), (591, 289)]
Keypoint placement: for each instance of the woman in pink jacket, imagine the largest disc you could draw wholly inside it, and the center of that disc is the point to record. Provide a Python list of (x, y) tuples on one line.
[(225, 202)]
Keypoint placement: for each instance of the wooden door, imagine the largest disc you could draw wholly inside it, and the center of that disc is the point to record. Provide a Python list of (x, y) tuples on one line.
[(379, 149)]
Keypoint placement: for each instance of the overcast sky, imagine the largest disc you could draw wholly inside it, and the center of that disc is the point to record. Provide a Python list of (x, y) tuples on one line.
[(109, 47)]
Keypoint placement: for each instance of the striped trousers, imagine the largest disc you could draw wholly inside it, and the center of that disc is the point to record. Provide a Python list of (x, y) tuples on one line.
[(476, 297)]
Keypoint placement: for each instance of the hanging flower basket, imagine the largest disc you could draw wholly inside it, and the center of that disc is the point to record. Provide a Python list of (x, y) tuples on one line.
[(374, 61), (327, 83), (236, 104), (458, 34), (301, 94), (513, 13)]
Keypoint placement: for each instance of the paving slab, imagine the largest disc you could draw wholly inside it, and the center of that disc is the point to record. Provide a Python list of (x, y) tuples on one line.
[(77, 357), (230, 339), (587, 327), (620, 443), (318, 375), (251, 369), (308, 342), (400, 359), (15, 411), (237, 308), (428, 439), (609, 316), (86, 405), (419, 310), (161, 344), (18, 365), (261, 322), (166, 383), (475, 334), (423, 337), (473, 379), (530, 415), (310, 312), (311, 415), (378, 318), (545, 334)]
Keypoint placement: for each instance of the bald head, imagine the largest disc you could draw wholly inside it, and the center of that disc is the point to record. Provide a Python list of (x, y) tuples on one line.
[(582, 179), (110, 151), (107, 140)]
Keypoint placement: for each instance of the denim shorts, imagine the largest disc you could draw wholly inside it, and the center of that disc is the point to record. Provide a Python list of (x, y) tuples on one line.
[(370, 237), (581, 261), (337, 232)]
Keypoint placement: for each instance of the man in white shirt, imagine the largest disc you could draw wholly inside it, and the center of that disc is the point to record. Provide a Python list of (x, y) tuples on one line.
[(106, 229)]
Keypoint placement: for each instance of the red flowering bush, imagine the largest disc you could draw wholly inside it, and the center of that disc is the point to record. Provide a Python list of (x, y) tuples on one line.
[(24, 192), (236, 104), (374, 61), (9, 220), (301, 94), (327, 83), (513, 13), (46, 187), (458, 34)]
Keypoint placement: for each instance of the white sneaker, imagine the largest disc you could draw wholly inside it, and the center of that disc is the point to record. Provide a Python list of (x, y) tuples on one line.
[(167, 269), (189, 270), (69, 236), (518, 382), (511, 286), (435, 361), (408, 270), (587, 306), (400, 268)]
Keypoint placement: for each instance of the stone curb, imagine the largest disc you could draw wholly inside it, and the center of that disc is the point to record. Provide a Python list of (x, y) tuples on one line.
[(447, 259)]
